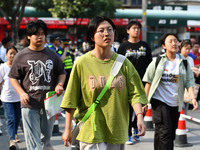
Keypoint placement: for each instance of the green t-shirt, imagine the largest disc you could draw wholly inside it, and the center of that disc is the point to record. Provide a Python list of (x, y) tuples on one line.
[(87, 79)]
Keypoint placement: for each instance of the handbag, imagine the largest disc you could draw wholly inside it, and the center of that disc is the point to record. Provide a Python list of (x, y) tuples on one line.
[(114, 71)]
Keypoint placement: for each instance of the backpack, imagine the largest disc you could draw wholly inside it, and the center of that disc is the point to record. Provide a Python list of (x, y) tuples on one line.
[(159, 58)]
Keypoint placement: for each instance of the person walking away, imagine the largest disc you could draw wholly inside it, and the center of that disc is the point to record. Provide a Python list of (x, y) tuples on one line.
[(107, 126), (165, 86), (139, 53), (10, 99), (39, 71)]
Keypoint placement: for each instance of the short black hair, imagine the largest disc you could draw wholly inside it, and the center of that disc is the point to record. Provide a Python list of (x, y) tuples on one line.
[(93, 25), (12, 47), (163, 38), (185, 43), (133, 22), (5, 40), (33, 26)]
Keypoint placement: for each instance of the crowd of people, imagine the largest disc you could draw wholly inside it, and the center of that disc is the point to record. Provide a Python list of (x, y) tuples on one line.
[(31, 68)]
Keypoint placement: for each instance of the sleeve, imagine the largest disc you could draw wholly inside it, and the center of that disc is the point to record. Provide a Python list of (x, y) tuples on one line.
[(59, 67), (189, 77), (149, 55), (121, 50), (192, 55), (1, 74), (150, 72), (72, 95), (16, 71), (136, 92)]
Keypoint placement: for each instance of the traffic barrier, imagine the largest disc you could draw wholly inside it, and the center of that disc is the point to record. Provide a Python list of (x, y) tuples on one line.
[(190, 118), (181, 136), (56, 131), (148, 119)]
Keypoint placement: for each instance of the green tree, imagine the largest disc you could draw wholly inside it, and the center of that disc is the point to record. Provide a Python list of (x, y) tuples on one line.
[(83, 9), (42, 5), (13, 11)]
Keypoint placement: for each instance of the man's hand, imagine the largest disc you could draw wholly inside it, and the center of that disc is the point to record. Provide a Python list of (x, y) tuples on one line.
[(59, 89), (24, 97), (195, 104)]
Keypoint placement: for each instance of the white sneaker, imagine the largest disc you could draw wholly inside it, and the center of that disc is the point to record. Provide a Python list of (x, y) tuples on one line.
[(129, 142), (1, 132)]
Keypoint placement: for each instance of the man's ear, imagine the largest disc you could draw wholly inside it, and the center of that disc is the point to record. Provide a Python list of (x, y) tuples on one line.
[(127, 31), (163, 46)]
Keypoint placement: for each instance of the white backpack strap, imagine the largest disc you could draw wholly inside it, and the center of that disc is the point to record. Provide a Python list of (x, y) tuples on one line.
[(117, 65)]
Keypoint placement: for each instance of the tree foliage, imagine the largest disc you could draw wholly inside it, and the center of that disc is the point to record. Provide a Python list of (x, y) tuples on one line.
[(42, 4), (83, 8), (13, 11)]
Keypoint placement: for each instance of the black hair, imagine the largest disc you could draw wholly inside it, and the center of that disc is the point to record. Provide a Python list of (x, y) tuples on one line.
[(133, 22), (5, 40), (195, 43), (185, 43), (93, 25), (12, 47), (163, 38), (33, 27)]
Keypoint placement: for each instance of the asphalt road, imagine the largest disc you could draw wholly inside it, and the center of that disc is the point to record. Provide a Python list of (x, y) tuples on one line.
[(193, 137)]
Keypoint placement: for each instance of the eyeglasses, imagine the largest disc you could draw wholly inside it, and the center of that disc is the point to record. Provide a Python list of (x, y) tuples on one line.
[(101, 32), (171, 41), (135, 28)]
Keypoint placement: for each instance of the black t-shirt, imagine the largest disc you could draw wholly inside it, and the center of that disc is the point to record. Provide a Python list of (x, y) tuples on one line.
[(38, 73), (138, 53)]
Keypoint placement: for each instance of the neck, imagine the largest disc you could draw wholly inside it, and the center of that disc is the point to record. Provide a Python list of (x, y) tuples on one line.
[(170, 56), (134, 39), (9, 63), (36, 48), (101, 53)]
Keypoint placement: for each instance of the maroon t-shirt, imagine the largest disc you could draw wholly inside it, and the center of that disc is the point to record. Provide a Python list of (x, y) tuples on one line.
[(38, 73)]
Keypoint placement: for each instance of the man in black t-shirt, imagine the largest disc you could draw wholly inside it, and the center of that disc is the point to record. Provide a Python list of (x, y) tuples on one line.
[(39, 71), (139, 53)]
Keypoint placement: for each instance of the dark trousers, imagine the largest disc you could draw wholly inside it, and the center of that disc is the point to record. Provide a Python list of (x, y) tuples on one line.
[(132, 124), (166, 121), (68, 71)]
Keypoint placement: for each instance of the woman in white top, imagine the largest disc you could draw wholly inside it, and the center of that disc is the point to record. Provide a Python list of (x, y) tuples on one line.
[(185, 47), (10, 99), (165, 85)]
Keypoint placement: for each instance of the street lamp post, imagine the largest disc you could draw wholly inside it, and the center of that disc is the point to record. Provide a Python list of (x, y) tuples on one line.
[(144, 20)]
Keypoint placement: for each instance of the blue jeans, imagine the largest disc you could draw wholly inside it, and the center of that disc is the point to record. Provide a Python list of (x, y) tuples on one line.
[(12, 112), (35, 123)]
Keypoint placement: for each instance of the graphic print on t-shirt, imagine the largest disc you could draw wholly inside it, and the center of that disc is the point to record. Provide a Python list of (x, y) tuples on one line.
[(169, 77), (136, 53), (39, 69), (118, 82)]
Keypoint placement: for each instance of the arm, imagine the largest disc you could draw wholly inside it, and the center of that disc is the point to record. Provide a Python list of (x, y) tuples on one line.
[(67, 134), (192, 95), (24, 97), (59, 87), (140, 122), (147, 88), (64, 54)]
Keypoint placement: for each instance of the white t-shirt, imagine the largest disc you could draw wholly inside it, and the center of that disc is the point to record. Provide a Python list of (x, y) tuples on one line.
[(167, 90), (8, 93), (191, 61), (3, 54)]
